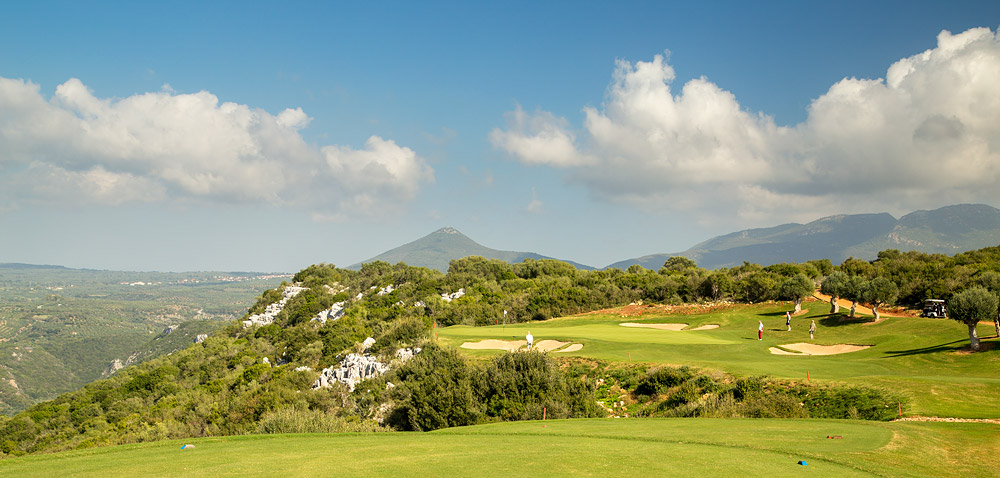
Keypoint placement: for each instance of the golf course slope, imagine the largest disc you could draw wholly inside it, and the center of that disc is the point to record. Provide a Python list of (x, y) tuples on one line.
[(595, 447), (925, 359)]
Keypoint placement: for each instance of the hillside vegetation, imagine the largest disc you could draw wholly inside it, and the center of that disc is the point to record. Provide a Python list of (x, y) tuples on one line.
[(61, 328), (261, 377)]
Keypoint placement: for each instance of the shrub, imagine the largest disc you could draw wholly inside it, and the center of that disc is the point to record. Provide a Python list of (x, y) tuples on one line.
[(435, 392), (661, 379), (293, 420)]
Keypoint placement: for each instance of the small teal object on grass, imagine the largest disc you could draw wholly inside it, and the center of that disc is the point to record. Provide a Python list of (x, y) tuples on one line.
[(803, 463), (187, 447)]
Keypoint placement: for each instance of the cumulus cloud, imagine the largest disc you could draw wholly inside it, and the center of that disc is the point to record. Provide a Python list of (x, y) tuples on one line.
[(925, 135), (163, 146), (541, 138)]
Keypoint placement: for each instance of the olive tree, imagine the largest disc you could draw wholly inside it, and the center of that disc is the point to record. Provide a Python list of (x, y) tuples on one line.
[(991, 281), (880, 291), (796, 288), (854, 289), (835, 285), (970, 307)]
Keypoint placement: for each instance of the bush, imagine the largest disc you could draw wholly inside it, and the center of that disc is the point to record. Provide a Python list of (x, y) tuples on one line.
[(661, 379), (862, 403), (748, 387), (435, 392), (293, 420)]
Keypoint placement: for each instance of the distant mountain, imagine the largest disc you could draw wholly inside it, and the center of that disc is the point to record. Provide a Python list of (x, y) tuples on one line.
[(18, 265), (948, 230), (438, 248)]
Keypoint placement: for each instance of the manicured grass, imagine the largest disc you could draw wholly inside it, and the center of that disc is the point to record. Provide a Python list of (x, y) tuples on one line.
[(600, 447), (923, 358)]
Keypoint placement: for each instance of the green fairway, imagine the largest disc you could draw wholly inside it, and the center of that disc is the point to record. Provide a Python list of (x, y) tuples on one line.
[(601, 447), (920, 357)]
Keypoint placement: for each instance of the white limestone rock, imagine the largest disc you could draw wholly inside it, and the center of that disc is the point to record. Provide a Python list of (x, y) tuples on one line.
[(453, 295), (352, 370), (407, 353), (200, 338), (272, 310), (367, 344), (335, 312)]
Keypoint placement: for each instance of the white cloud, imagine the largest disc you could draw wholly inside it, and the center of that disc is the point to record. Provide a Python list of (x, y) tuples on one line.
[(926, 135), (541, 138), (166, 146)]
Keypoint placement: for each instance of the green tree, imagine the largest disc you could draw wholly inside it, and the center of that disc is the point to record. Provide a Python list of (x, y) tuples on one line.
[(991, 281), (857, 267), (854, 289), (835, 285), (758, 287), (796, 288), (970, 307), (880, 291)]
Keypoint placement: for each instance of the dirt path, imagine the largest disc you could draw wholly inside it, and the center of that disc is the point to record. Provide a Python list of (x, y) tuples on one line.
[(948, 419), (846, 304)]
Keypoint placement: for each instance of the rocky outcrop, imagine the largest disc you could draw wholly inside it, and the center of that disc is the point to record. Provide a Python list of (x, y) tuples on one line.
[(406, 354), (353, 369), (200, 338), (335, 312), (357, 367), (453, 295), (271, 311), (387, 289), (118, 364)]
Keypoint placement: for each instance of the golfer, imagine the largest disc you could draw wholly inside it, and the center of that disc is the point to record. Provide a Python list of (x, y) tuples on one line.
[(530, 339), (760, 330), (788, 320), (812, 329)]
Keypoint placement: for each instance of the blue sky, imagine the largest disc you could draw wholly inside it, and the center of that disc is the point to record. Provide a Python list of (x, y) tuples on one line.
[(266, 136)]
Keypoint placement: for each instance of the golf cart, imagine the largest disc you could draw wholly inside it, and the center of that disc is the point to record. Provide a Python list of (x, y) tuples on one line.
[(934, 308)]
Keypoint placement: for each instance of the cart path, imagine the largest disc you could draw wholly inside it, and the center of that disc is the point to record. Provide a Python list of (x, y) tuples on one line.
[(846, 304)]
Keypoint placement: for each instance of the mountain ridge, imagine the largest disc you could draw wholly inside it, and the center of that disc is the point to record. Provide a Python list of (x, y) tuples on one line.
[(946, 230)]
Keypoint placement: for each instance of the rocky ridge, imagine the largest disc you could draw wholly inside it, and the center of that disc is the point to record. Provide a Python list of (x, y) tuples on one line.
[(272, 310)]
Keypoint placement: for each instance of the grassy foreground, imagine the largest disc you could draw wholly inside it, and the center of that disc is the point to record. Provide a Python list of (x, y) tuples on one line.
[(598, 447), (923, 358)]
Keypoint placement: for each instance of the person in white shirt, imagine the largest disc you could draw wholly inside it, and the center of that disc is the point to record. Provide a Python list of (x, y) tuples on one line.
[(530, 339)]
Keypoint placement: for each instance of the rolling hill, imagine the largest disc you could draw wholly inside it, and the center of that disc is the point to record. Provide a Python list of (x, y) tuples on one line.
[(438, 248)]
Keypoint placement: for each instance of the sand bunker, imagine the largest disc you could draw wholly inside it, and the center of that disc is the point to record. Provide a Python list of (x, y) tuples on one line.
[(494, 344), (547, 345), (513, 345), (571, 348), (706, 327), (655, 326), (813, 349)]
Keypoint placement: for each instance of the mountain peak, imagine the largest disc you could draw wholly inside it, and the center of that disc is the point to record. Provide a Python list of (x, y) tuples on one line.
[(437, 249)]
